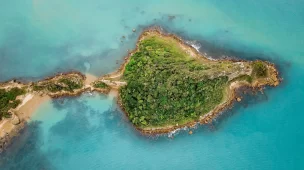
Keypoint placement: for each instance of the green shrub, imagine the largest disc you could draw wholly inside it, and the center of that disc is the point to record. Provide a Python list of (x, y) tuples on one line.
[(101, 85), (8, 100), (71, 85), (259, 69), (38, 88), (53, 86)]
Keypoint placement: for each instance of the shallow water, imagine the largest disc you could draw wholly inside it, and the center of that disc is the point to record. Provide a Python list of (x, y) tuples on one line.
[(40, 38)]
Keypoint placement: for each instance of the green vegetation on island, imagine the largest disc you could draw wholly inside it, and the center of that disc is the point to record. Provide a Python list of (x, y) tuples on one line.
[(59, 85), (100, 85), (67, 83), (259, 69), (168, 84), (163, 85), (8, 100)]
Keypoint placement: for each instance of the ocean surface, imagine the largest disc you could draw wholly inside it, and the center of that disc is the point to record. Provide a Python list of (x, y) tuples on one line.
[(39, 38)]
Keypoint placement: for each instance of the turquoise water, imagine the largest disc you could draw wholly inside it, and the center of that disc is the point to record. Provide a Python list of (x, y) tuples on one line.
[(39, 38)]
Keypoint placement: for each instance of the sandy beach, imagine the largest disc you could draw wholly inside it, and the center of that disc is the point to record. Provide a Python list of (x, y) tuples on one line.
[(23, 112), (10, 127), (32, 101), (27, 109)]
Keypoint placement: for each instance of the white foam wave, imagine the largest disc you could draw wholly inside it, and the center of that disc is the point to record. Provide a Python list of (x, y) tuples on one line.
[(194, 44)]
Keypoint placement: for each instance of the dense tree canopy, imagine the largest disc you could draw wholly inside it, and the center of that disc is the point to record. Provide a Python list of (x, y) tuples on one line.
[(166, 86)]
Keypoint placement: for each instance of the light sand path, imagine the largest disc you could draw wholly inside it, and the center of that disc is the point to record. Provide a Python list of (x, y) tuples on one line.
[(27, 98), (3, 122), (90, 78)]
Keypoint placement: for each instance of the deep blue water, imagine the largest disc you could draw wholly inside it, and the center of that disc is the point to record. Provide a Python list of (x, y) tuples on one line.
[(39, 38)]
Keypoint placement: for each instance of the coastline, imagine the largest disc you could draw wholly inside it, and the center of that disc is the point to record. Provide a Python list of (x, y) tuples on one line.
[(32, 100), (12, 126)]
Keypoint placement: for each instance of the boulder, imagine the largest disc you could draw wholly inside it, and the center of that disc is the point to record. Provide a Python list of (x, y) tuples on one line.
[(238, 99), (15, 120)]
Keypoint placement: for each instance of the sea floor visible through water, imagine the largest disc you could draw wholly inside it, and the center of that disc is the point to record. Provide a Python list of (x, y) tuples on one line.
[(41, 38)]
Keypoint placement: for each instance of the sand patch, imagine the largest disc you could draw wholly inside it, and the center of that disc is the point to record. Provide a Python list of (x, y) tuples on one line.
[(29, 106), (90, 78)]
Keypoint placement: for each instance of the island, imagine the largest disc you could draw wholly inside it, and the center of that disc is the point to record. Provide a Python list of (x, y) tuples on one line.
[(163, 85)]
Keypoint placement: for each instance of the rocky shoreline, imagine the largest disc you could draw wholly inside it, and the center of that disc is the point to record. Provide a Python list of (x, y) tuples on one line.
[(7, 138), (207, 118)]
